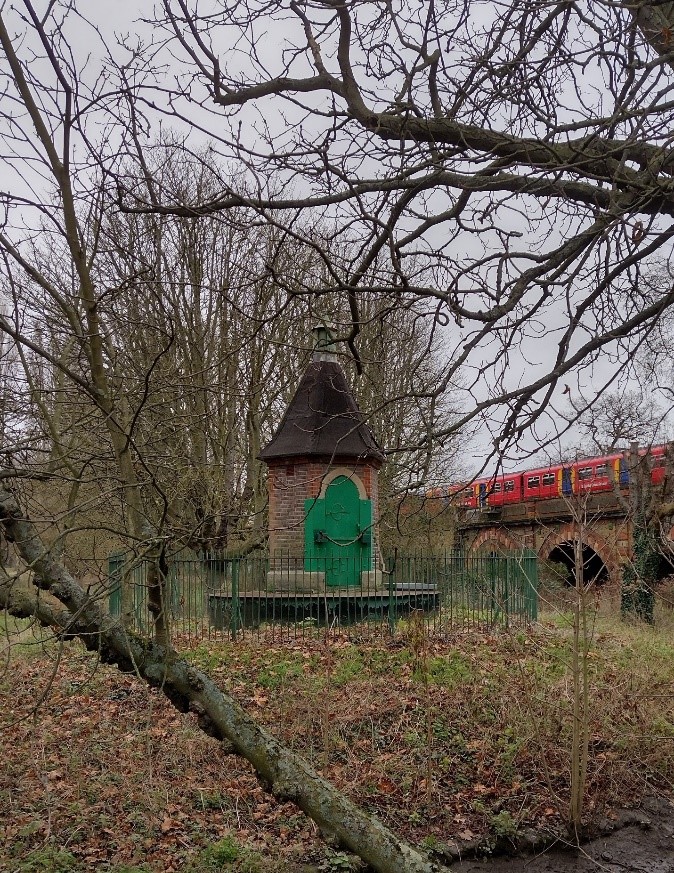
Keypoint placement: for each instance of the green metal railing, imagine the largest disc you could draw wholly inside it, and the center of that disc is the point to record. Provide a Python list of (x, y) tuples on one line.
[(212, 595)]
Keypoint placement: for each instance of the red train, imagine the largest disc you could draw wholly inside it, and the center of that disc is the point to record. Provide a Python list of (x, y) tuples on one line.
[(590, 475)]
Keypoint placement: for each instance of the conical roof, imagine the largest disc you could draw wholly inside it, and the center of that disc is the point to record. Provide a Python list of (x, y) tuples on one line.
[(323, 420)]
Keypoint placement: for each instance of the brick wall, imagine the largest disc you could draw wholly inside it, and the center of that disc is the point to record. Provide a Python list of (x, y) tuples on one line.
[(291, 482), (609, 538)]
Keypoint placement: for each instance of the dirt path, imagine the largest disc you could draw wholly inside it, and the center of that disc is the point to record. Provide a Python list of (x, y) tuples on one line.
[(644, 845)]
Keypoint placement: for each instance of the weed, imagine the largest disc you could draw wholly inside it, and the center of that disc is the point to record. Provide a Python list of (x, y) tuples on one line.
[(209, 799), (451, 670), (430, 843), (661, 727), (413, 739), (338, 862), (509, 747), (227, 854), (459, 747), (217, 855), (383, 662), (48, 859), (504, 825), (27, 831), (225, 850), (560, 619), (348, 667), (124, 868), (276, 675), (206, 656)]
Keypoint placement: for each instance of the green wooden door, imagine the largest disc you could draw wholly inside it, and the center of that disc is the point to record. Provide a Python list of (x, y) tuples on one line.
[(338, 538), (342, 526)]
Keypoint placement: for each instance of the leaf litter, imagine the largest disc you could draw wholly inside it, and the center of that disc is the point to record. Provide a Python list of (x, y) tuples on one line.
[(465, 749)]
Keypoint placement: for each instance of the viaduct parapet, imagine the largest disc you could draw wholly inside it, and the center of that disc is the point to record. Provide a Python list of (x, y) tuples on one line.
[(550, 528)]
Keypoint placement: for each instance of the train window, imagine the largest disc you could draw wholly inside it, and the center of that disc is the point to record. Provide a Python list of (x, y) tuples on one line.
[(585, 473), (497, 487), (533, 481), (548, 478), (509, 486), (600, 469)]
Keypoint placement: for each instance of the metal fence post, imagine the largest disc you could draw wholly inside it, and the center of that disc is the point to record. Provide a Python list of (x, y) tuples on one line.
[(235, 618), (530, 581), (391, 597), (506, 593), (115, 565)]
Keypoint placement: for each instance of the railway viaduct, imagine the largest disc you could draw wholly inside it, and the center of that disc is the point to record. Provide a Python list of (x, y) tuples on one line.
[(550, 528)]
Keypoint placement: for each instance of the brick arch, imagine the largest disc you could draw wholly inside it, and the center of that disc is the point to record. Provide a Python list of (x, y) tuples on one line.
[(498, 539), (567, 533), (335, 473)]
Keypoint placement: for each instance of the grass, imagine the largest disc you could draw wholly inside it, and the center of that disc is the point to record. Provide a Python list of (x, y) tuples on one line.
[(108, 775), (22, 636)]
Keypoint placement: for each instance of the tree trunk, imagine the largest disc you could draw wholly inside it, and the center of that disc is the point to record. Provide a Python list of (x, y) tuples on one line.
[(158, 598), (637, 596), (288, 776)]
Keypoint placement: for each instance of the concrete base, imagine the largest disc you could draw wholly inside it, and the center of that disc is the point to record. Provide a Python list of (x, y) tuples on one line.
[(373, 580), (290, 581)]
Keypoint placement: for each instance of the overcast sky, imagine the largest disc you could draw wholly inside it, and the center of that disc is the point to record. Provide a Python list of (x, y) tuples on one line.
[(118, 19)]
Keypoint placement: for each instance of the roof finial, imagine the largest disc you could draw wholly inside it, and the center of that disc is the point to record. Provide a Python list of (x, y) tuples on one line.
[(324, 347)]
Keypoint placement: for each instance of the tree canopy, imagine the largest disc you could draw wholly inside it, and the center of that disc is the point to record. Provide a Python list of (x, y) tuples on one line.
[(504, 169), (490, 181), (511, 162)]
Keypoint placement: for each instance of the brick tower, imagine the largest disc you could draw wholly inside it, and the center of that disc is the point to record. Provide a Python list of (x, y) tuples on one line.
[(323, 465)]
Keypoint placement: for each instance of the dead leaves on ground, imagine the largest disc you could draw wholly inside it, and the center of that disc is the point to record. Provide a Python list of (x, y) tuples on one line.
[(107, 769)]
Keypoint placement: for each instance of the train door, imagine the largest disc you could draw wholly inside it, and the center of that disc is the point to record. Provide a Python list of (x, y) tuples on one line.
[(623, 473), (567, 481)]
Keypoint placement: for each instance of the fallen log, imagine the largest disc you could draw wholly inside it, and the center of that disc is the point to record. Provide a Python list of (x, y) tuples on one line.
[(69, 607)]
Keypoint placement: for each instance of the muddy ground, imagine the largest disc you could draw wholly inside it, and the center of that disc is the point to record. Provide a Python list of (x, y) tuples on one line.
[(641, 842)]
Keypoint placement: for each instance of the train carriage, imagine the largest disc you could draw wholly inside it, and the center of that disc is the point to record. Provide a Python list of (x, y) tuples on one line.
[(497, 490), (460, 495), (600, 474), (544, 483), (587, 476), (658, 464)]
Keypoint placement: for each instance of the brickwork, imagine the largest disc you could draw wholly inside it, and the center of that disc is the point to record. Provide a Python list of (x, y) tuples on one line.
[(609, 537), (292, 481)]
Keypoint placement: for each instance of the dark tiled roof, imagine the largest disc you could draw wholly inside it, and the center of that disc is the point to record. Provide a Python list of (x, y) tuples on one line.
[(323, 419)]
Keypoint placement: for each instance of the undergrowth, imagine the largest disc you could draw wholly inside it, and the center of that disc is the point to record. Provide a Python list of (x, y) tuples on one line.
[(464, 738)]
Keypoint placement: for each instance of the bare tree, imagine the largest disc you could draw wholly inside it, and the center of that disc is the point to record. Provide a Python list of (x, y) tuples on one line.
[(504, 171), (204, 334), (507, 172), (130, 331), (512, 162), (614, 419)]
